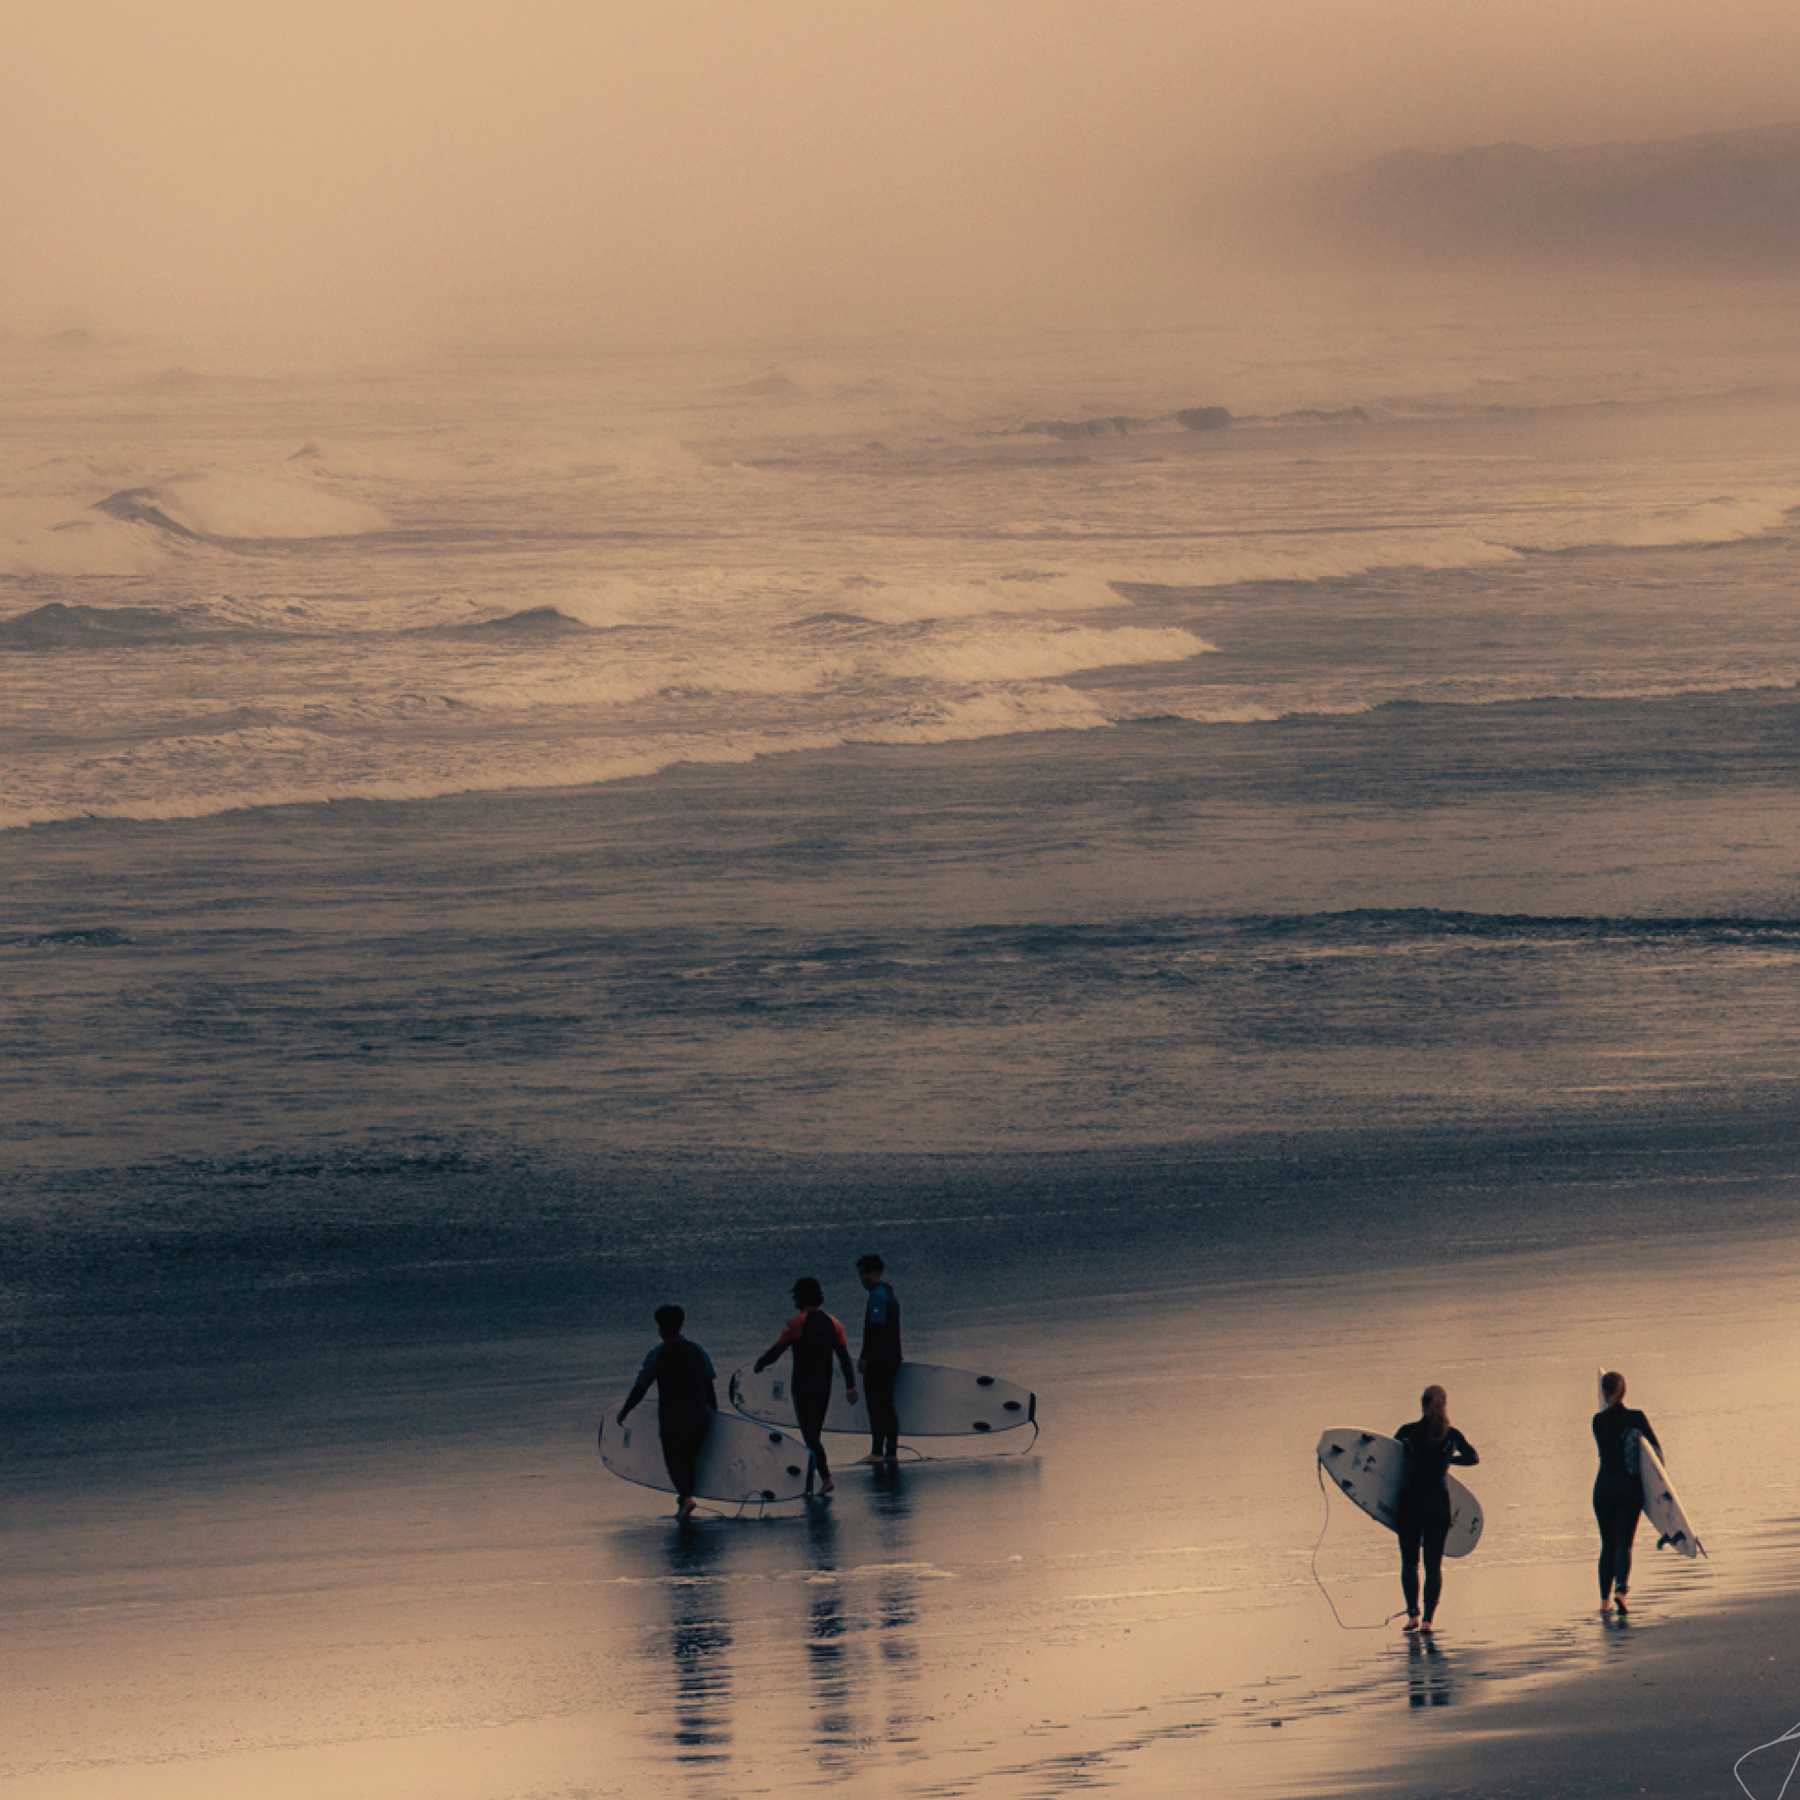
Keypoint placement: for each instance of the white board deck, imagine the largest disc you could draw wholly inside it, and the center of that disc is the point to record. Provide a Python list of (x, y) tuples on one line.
[(1662, 1508), (931, 1401), (1370, 1469), (741, 1460)]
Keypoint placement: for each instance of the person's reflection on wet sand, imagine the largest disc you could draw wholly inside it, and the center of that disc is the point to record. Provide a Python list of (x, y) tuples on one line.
[(827, 1659), (897, 1600), (1428, 1675), (700, 1648)]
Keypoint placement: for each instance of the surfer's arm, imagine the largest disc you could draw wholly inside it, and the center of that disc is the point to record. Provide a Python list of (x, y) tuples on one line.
[(1463, 1453), (641, 1386), (789, 1332), (842, 1347)]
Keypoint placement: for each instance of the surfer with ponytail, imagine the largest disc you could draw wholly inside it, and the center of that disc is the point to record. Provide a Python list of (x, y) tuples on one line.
[(1618, 1488), (1422, 1518)]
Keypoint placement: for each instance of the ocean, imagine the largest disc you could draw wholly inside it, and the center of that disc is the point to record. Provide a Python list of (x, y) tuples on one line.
[(1256, 864)]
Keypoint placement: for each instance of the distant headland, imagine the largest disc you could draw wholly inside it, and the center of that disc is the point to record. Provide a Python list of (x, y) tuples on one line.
[(1727, 201)]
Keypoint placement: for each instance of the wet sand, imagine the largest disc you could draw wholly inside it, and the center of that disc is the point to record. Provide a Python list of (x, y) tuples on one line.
[(423, 1583), (1669, 1706)]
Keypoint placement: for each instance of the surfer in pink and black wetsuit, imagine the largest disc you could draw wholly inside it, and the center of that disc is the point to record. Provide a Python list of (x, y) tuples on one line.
[(815, 1337), (1422, 1517), (1618, 1490)]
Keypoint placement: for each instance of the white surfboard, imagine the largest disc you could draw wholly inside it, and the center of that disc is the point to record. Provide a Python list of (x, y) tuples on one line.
[(931, 1401), (1370, 1469), (1662, 1508), (741, 1461)]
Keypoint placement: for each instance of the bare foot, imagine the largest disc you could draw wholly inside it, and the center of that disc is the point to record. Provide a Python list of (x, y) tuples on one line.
[(827, 1487), (685, 1510), (1619, 1602), (1606, 1609), (1425, 1627), (1412, 1622), (872, 1457)]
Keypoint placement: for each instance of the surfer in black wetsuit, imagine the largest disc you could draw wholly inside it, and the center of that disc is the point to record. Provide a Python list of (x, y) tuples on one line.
[(1422, 1516), (1618, 1491), (685, 1402), (815, 1337), (880, 1359)]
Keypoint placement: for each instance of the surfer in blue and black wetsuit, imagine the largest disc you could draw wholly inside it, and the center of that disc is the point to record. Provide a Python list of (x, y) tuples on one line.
[(880, 1360), (815, 1337), (1618, 1490), (1422, 1517), (685, 1402)]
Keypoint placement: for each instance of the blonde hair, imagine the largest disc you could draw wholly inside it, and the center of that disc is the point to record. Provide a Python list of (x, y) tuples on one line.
[(1434, 1409)]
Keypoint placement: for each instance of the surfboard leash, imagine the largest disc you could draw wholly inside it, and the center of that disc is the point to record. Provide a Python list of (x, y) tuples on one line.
[(1319, 1470)]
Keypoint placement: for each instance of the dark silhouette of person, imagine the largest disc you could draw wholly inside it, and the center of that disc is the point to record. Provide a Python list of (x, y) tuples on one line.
[(1422, 1517), (686, 1400), (1618, 1489), (880, 1360), (815, 1338)]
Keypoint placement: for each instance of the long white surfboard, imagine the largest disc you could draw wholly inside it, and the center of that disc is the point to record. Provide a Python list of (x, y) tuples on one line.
[(740, 1461), (1371, 1469), (1662, 1508), (931, 1401)]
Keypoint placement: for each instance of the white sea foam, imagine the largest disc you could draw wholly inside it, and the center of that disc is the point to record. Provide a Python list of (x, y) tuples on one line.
[(1333, 555), (44, 538), (1040, 654), (608, 602), (1721, 519), (231, 503), (998, 712), (901, 599), (248, 632)]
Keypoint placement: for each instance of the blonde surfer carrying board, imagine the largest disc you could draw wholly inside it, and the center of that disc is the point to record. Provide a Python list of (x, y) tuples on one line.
[(1423, 1515)]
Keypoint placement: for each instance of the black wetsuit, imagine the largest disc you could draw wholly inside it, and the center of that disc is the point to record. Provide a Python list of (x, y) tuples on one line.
[(1422, 1517), (816, 1338), (1618, 1494), (881, 1361), (685, 1403)]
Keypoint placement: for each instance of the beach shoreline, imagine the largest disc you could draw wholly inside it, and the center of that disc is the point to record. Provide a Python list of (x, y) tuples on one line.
[(410, 1575)]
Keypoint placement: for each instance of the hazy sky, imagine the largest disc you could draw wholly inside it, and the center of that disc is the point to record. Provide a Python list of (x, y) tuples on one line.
[(765, 161)]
